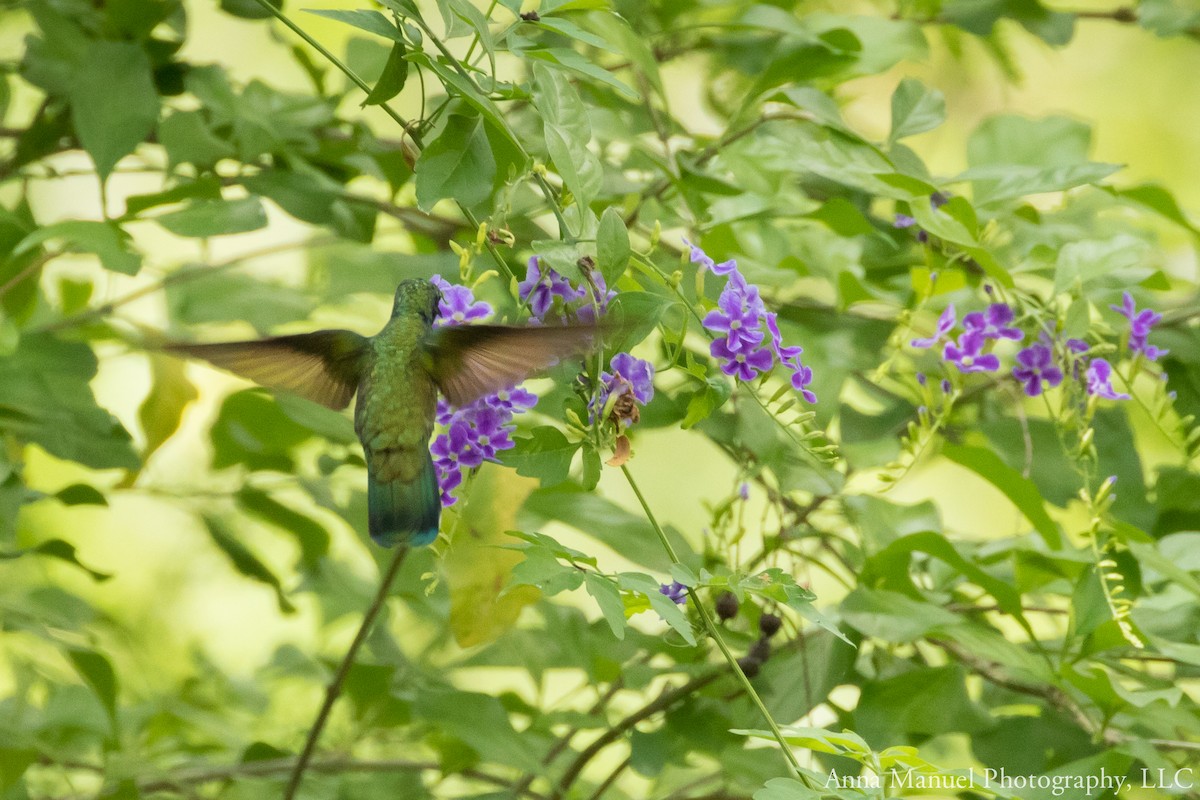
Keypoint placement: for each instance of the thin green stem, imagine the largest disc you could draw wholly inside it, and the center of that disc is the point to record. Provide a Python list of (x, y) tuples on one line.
[(713, 632), (337, 62)]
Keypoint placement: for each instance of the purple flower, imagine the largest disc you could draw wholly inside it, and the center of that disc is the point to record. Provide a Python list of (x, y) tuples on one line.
[(631, 382), (904, 221), (965, 354), (1099, 381), (744, 490), (1140, 325), (946, 387), (676, 591), (1035, 368), (698, 256), (993, 323), (540, 288), (636, 372), (458, 305), (741, 316), (743, 365), (477, 432), (602, 296), (515, 400), (945, 324)]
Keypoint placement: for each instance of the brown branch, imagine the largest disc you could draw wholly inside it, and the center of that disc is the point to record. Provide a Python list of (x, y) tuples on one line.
[(1056, 697), (280, 766), (664, 701), (335, 686)]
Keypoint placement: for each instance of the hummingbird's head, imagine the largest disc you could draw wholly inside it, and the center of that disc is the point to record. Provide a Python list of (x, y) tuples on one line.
[(417, 296)]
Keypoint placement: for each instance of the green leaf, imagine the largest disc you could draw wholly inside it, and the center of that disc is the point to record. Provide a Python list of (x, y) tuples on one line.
[(244, 561), (565, 27), (608, 597), (664, 606), (45, 397), (458, 164), (81, 494), (612, 246), (567, 131), (363, 19), (573, 62), (97, 671), (106, 239), (113, 102), (310, 535), (391, 81), (188, 139), (893, 617), (170, 395), (206, 187), (915, 109), (546, 455), (541, 568), (251, 429), (204, 217), (1018, 489), (787, 789), (63, 551), (1159, 199)]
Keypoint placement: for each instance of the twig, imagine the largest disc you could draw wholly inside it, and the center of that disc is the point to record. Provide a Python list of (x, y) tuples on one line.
[(612, 776), (335, 686), (29, 269), (664, 701)]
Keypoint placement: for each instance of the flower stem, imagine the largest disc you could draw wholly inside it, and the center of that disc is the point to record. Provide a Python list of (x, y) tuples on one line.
[(715, 634)]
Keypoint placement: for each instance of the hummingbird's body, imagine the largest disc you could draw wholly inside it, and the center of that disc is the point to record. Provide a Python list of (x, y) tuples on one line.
[(397, 374)]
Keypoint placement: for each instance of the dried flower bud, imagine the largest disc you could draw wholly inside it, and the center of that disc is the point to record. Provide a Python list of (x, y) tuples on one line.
[(769, 624), (727, 606), (760, 650), (749, 666)]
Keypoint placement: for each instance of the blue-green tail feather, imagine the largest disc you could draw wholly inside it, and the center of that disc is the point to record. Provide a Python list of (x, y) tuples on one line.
[(405, 513)]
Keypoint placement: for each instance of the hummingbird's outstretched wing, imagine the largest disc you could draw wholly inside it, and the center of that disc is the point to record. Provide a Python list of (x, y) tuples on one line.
[(324, 367), (470, 361)]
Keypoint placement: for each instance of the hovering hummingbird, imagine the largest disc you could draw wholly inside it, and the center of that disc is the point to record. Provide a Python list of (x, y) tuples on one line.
[(397, 374)]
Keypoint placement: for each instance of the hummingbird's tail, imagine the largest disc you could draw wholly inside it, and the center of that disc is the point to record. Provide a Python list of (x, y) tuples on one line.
[(404, 512)]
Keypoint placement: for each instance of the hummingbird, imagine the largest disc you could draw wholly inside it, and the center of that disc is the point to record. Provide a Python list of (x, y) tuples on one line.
[(397, 374)]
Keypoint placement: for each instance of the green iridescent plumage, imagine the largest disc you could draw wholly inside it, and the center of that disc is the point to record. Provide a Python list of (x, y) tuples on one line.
[(397, 374)]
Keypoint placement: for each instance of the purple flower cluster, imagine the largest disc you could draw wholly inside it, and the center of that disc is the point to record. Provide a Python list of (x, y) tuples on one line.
[(543, 286), (630, 383), (1038, 367), (1140, 324), (744, 324), (979, 327), (477, 432)]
